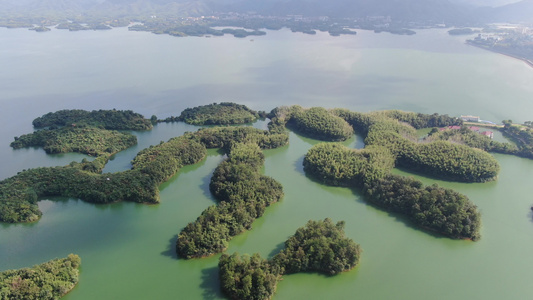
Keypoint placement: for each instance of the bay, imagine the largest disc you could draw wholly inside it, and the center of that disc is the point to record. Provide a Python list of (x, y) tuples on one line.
[(127, 249)]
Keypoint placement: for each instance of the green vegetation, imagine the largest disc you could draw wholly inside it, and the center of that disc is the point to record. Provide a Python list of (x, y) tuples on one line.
[(315, 122), (151, 167), (248, 277), (225, 113), (225, 137), (472, 139), (432, 207), (438, 158), (523, 137), (243, 194), (462, 31), (320, 246), (19, 194), (50, 280), (91, 141), (108, 119)]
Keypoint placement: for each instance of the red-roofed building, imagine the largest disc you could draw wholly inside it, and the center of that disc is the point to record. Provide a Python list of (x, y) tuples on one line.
[(488, 133)]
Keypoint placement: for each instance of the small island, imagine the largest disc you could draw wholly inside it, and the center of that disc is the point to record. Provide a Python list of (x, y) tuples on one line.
[(50, 280), (224, 113), (85, 140), (106, 119), (315, 122), (320, 246)]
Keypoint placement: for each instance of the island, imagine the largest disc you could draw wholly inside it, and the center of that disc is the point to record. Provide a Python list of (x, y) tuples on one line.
[(320, 246), (50, 280), (462, 31), (243, 193), (315, 122), (224, 113), (150, 168), (106, 119), (86, 140)]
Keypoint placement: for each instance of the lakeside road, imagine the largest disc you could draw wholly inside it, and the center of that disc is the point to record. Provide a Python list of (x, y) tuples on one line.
[(482, 124), (527, 61)]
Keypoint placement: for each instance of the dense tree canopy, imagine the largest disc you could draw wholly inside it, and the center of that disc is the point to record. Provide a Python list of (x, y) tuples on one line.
[(320, 246), (441, 159), (224, 113), (86, 140), (243, 194), (432, 207), (150, 168), (108, 119), (50, 280), (248, 277), (315, 122)]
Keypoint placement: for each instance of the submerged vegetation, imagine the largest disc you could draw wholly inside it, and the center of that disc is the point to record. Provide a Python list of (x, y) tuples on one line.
[(50, 280), (224, 113), (320, 246)]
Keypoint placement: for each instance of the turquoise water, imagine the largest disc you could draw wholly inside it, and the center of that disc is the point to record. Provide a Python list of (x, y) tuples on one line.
[(127, 249)]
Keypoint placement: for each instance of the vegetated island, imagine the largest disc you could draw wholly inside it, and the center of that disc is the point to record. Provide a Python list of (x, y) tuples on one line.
[(320, 246), (224, 113), (50, 280), (243, 194), (462, 31), (91, 133), (315, 122), (106, 119), (150, 168), (86, 140)]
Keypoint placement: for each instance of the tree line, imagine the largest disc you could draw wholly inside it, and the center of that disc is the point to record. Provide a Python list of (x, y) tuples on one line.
[(319, 246), (50, 280)]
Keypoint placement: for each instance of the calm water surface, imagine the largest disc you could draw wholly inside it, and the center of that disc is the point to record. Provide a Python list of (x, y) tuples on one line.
[(127, 249)]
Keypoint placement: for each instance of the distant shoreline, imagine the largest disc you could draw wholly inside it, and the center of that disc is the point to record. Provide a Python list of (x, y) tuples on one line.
[(527, 61)]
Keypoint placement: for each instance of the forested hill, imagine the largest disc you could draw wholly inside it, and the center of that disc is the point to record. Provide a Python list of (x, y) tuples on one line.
[(421, 11), (405, 10)]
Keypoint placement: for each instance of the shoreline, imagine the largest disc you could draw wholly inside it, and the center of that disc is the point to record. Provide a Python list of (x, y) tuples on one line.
[(529, 62)]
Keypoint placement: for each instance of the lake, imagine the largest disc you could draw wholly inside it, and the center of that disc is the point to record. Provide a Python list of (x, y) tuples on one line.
[(127, 249)]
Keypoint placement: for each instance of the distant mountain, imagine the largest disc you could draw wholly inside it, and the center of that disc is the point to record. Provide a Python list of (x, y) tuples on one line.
[(452, 12), (482, 3), (517, 12), (404, 10)]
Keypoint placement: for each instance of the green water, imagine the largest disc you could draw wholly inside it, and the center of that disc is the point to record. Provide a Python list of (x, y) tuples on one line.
[(127, 249)]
